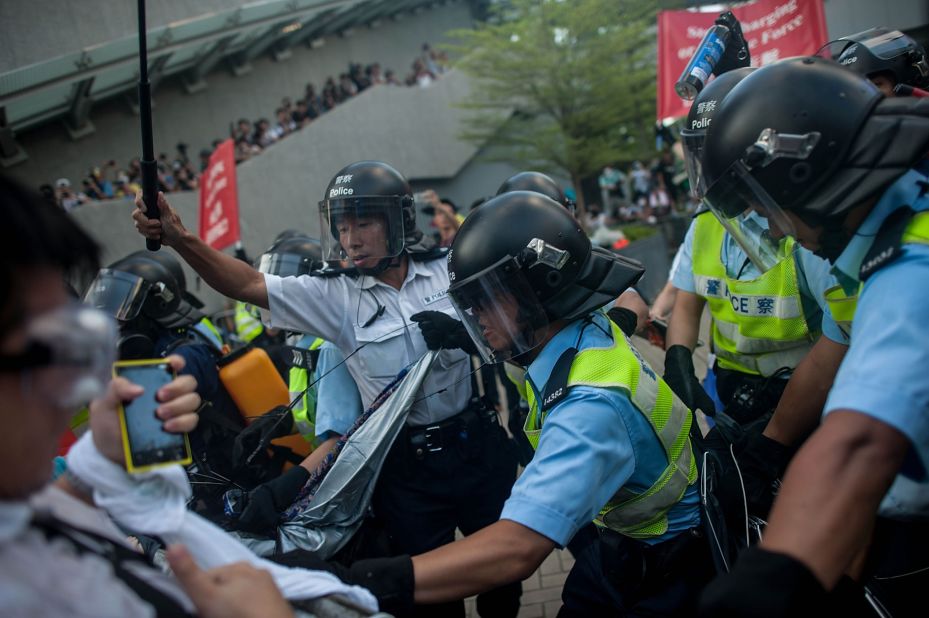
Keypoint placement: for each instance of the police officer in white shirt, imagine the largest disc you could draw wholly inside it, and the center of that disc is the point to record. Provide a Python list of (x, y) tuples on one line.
[(450, 467)]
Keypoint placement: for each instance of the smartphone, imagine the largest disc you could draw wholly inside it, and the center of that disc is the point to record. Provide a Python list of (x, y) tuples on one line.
[(146, 444)]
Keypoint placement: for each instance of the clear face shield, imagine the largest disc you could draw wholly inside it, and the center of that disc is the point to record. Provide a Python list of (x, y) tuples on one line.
[(286, 264), (739, 201), (500, 311), (361, 228), (117, 293), (69, 355), (885, 45), (692, 142)]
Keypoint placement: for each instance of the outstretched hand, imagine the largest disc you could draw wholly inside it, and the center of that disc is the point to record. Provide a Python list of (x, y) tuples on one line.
[(169, 229)]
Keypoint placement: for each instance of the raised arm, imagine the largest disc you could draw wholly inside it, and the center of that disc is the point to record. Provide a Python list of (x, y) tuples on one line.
[(224, 273)]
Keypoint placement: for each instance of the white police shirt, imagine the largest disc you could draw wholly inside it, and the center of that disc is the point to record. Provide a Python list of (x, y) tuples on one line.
[(338, 308)]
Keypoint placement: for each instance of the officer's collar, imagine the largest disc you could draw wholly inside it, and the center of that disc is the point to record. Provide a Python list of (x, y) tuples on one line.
[(904, 192), (414, 269), (541, 368)]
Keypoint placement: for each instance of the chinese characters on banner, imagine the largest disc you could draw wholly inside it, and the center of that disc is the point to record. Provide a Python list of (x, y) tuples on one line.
[(219, 200), (774, 29)]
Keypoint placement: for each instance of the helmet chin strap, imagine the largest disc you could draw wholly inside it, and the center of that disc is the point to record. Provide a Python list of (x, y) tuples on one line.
[(832, 240), (382, 265)]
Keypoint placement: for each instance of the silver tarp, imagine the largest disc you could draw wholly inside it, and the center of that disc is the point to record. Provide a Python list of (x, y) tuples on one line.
[(342, 498)]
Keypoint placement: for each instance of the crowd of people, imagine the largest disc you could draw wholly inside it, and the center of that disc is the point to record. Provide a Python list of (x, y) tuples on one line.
[(181, 173), (792, 483)]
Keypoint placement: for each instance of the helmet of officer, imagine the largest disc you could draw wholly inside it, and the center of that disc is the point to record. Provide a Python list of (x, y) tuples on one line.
[(540, 183), (292, 255), (806, 136), (699, 119), (373, 194), (882, 52), (145, 284), (521, 262)]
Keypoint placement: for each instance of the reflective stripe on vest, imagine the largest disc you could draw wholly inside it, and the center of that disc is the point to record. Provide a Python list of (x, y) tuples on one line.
[(643, 515), (517, 375), (843, 306), (206, 328), (758, 324), (305, 410), (247, 325)]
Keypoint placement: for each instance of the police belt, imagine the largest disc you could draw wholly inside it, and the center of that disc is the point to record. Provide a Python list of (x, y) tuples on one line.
[(451, 432)]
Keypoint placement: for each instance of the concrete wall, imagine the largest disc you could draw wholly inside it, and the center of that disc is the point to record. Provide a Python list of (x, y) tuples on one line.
[(197, 119), (844, 17), (414, 129)]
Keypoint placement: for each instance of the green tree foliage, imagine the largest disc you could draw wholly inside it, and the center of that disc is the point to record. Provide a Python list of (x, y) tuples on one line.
[(563, 86)]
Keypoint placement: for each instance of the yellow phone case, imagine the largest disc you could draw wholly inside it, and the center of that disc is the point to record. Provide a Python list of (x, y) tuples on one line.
[(130, 467)]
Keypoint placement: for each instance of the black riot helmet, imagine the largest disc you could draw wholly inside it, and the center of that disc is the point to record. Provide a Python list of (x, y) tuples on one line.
[(375, 193), (540, 183), (292, 255), (145, 284), (698, 122), (880, 51), (520, 262), (805, 135)]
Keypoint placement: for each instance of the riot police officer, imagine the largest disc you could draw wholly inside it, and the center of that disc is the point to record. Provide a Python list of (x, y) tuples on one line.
[(448, 468), (829, 163)]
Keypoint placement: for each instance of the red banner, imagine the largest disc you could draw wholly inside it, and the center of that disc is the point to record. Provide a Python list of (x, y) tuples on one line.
[(219, 199), (774, 29)]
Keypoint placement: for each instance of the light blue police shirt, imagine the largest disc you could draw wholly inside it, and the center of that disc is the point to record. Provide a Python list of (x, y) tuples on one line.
[(884, 373), (338, 403), (813, 278), (592, 443)]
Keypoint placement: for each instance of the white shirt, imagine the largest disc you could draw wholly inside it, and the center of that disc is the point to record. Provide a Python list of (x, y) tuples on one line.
[(49, 577), (336, 309)]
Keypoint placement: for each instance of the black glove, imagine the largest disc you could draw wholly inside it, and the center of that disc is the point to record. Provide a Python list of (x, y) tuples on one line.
[(737, 53), (764, 584), (262, 430), (443, 331), (390, 580), (680, 376), (625, 319), (762, 462), (266, 502)]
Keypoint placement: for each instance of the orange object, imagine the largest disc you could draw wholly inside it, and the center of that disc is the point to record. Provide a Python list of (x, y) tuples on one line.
[(257, 388), (622, 243)]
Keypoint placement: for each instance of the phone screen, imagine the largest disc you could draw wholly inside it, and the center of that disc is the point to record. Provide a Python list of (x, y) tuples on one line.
[(149, 443)]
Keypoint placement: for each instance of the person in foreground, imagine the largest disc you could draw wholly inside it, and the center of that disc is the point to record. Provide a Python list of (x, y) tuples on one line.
[(59, 555)]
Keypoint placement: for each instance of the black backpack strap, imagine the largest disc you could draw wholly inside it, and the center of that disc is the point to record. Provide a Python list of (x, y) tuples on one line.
[(87, 542), (887, 245)]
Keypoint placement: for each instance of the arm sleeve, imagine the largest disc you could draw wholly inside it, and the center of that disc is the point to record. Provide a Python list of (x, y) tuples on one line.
[(312, 305), (682, 270), (338, 403), (884, 373), (587, 435)]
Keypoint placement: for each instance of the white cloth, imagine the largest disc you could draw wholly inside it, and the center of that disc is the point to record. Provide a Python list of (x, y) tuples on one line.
[(336, 309), (155, 503)]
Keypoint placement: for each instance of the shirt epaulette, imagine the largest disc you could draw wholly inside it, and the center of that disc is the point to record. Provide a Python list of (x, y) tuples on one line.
[(887, 244)]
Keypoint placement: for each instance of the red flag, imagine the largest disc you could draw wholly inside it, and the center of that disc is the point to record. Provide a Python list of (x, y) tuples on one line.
[(774, 29), (219, 199)]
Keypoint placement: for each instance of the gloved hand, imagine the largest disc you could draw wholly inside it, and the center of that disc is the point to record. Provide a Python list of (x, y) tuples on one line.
[(266, 502), (263, 429), (443, 331), (764, 584), (625, 319), (680, 376), (390, 580), (762, 462)]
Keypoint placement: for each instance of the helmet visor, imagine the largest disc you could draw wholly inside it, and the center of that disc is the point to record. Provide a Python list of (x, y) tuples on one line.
[(118, 293), (500, 311), (748, 213), (362, 227), (693, 155), (285, 264)]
